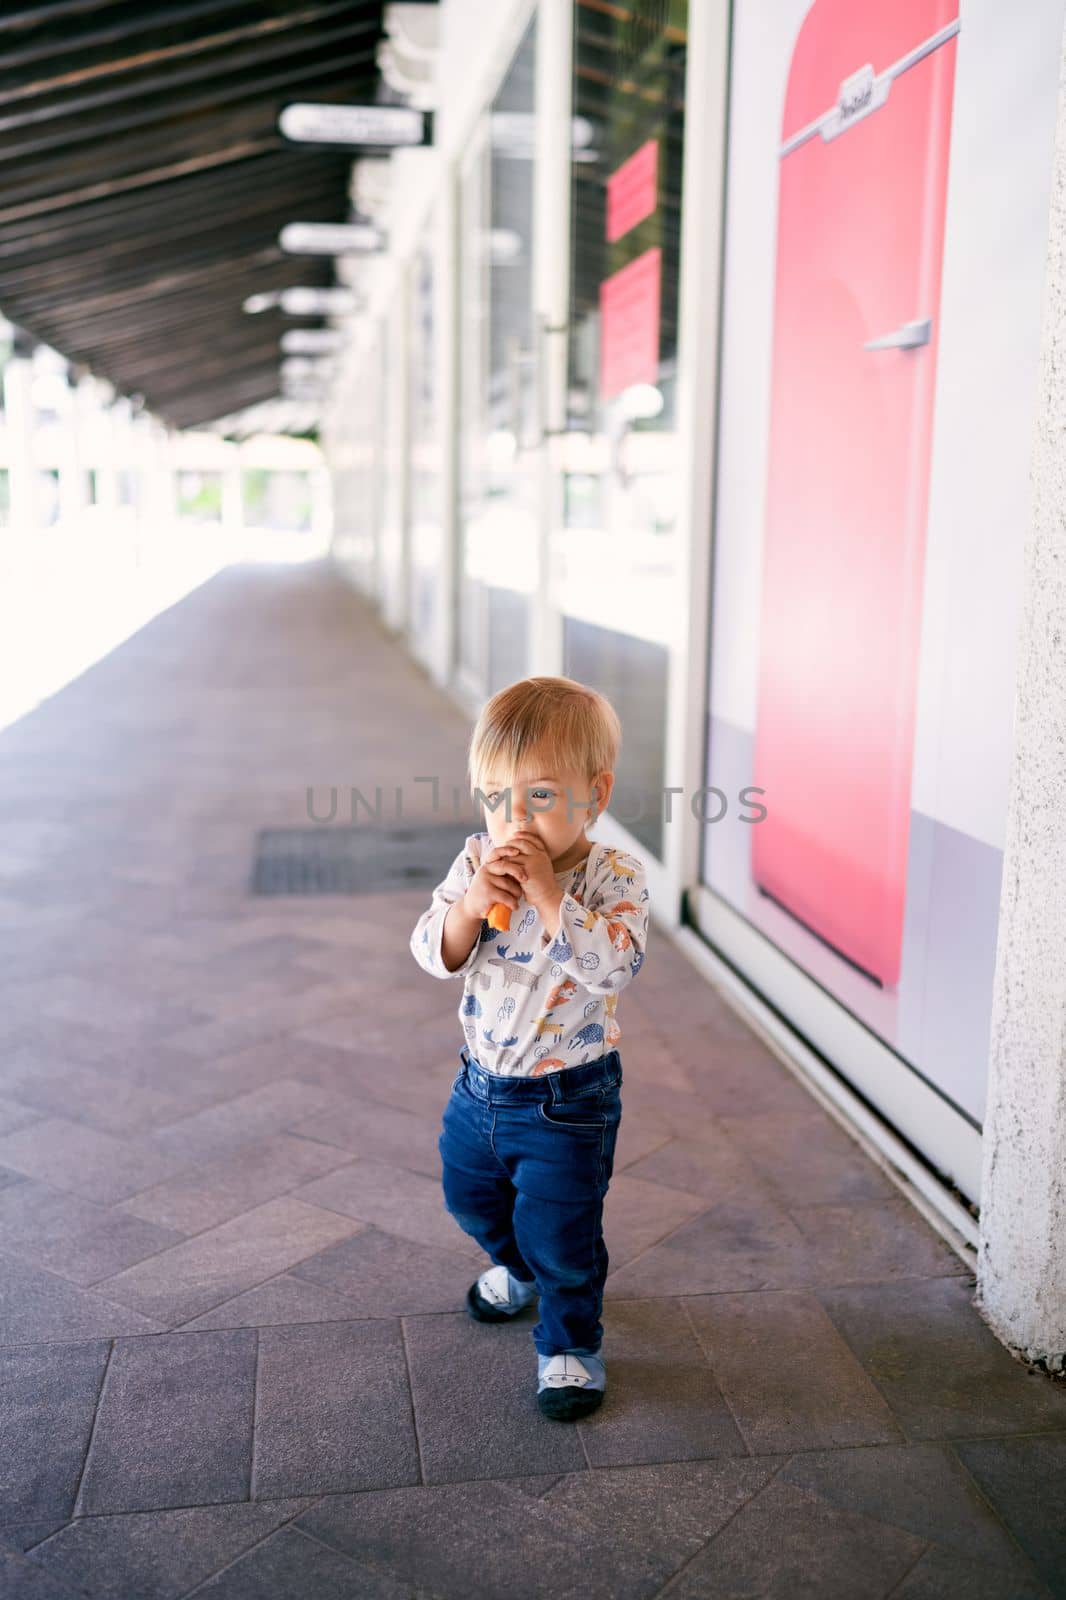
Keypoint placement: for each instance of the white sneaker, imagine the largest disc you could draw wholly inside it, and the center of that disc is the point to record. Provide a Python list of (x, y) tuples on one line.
[(497, 1295), (569, 1386)]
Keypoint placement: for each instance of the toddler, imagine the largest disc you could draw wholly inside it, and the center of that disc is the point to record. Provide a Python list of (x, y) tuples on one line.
[(529, 1130)]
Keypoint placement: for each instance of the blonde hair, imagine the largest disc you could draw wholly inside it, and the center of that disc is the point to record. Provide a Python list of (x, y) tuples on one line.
[(575, 727)]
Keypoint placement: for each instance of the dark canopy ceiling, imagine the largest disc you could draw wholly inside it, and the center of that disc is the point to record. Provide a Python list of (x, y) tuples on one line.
[(143, 182)]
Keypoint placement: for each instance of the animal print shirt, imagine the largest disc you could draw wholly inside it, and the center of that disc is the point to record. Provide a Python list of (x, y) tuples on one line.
[(533, 1003)]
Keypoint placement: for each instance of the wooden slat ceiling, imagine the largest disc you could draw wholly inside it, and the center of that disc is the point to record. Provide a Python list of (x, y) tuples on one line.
[(143, 182)]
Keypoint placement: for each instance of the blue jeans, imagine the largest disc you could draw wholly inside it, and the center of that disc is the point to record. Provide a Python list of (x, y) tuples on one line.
[(527, 1162)]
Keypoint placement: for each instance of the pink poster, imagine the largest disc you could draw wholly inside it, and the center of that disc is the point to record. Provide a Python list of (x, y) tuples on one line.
[(629, 324), (860, 236), (632, 191)]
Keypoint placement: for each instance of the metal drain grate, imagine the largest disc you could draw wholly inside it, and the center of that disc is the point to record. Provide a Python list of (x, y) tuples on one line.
[(354, 860)]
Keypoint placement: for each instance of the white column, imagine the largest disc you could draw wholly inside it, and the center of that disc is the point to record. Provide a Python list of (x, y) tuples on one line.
[(73, 485), (105, 458), (1022, 1253), (18, 411), (124, 458)]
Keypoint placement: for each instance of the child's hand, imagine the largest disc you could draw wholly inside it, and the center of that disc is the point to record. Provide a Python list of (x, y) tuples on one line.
[(526, 853), (496, 882)]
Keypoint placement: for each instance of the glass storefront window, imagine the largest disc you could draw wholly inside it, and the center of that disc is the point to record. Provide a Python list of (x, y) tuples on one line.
[(617, 548), (498, 564), (865, 597), (424, 456)]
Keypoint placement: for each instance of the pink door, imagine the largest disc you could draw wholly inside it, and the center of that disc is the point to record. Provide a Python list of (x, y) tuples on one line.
[(863, 178)]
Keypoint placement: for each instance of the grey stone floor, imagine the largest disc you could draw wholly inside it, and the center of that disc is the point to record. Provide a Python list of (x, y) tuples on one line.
[(234, 1357)]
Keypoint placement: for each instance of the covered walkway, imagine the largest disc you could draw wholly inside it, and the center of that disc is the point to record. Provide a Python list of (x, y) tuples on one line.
[(234, 1356)]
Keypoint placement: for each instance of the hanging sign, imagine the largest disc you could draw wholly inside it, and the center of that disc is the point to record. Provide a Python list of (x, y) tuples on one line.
[(328, 238), (318, 302), (387, 126), (312, 341)]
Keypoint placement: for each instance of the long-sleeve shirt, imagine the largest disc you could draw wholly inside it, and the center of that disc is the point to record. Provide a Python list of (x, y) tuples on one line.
[(534, 1002)]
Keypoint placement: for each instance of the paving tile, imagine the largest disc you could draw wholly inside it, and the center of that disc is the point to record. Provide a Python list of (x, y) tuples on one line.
[(219, 1036), (174, 1425), (218, 1130), (712, 1166), (490, 1539), (75, 999), (333, 1410), (790, 1379), (87, 1094), (549, 1548), (872, 1242), (151, 1065), (741, 1077), (157, 1555), (639, 1215), (284, 1299), (288, 1055), (268, 955), (808, 1158), (375, 1033), (393, 1198), (84, 1160), (291, 1565), (1023, 1479), (941, 1575), (786, 1544), (662, 1402), (680, 1113), (917, 1487), (37, 1305), (108, 1245), (33, 1214), (300, 998), (474, 1386), (24, 1535), (184, 1281), (380, 1274), (366, 1128), (743, 1242), (360, 1076), (937, 1364), (639, 1133), (671, 1508), (81, 1042), (204, 1196), (21, 1577), (47, 1393), (14, 1115)]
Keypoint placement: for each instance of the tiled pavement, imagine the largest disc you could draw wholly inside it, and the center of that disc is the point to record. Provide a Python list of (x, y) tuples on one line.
[(234, 1357)]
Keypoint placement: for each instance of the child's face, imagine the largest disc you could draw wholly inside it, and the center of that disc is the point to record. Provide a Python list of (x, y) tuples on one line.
[(539, 795)]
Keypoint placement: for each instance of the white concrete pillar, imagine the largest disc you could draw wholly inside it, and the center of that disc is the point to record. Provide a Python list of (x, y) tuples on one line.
[(124, 444), (1022, 1253), (73, 482), (18, 411)]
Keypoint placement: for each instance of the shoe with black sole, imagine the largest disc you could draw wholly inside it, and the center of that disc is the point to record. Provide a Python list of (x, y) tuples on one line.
[(497, 1296)]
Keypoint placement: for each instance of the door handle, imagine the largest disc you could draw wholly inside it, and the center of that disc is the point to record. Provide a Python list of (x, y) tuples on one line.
[(905, 337)]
